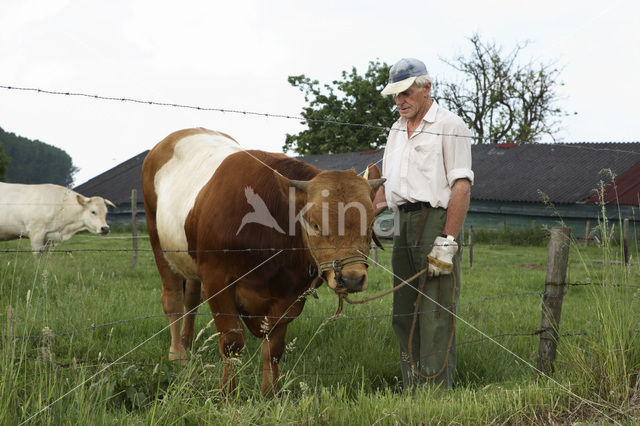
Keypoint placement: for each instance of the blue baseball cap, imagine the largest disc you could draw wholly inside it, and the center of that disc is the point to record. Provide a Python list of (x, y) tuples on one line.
[(403, 74)]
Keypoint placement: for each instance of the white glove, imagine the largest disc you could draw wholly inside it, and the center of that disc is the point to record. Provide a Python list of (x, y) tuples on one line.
[(440, 259)]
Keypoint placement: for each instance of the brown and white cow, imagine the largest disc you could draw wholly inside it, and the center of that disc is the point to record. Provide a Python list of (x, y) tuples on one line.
[(48, 214), (208, 200)]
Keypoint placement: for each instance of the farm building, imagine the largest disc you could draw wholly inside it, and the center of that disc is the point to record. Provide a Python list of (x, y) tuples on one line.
[(515, 185)]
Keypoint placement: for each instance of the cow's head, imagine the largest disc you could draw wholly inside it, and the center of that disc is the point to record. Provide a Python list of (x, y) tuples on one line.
[(94, 213), (335, 211)]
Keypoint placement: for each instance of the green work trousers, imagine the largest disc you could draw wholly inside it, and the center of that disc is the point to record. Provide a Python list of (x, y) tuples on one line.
[(433, 342)]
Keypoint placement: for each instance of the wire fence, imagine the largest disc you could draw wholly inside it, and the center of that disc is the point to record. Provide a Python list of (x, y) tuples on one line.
[(40, 349), (245, 316), (101, 362), (571, 144), (49, 336), (216, 314)]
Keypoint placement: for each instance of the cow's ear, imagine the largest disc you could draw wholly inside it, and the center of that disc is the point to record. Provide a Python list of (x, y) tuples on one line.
[(289, 187), (374, 176), (373, 172), (81, 200)]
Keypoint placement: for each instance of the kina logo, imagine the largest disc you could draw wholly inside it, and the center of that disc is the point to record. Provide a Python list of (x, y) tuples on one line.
[(260, 213)]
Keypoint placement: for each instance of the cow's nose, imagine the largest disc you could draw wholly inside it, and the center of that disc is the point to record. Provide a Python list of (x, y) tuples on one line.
[(352, 284), (104, 230)]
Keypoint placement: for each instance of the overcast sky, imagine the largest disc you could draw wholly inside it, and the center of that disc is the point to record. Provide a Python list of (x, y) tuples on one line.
[(238, 55)]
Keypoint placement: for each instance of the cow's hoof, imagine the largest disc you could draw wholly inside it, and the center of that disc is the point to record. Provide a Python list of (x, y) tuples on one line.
[(176, 356)]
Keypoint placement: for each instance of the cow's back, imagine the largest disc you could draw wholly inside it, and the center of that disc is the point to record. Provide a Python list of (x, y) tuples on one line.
[(174, 172)]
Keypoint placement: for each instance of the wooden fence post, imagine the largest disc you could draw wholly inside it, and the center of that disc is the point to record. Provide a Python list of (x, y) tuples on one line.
[(613, 230), (625, 236), (554, 290), (134, 227), (470, 246), (587, 232)]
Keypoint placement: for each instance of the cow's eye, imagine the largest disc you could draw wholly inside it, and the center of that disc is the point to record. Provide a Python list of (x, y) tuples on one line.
[(315, 228), (93, 212)]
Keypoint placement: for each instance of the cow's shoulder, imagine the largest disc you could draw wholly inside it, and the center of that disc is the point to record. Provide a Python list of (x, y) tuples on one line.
[(174, 145)]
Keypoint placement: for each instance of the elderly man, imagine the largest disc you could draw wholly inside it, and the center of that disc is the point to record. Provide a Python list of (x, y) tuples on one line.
[(427, 164)]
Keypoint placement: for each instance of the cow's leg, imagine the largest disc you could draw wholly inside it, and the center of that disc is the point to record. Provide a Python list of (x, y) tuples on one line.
[(173, 305), (38, 242), (191, 302), (172, 292), (231, 333), (272, 350)]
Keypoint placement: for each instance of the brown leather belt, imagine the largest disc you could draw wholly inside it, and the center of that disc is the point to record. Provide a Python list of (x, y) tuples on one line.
[(412, 207)]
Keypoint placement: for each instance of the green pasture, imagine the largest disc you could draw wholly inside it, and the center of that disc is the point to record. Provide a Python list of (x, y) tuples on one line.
[(84, 341)]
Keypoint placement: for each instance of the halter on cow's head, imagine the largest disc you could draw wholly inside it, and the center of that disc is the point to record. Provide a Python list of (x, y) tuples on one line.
[(335, 211)]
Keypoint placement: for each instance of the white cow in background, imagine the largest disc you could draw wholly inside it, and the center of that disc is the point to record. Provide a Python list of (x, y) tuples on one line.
[(48, 214)]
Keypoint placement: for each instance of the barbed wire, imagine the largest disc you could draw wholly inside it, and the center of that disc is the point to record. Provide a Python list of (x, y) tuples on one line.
[(600, 284), (486, 337), (571, 144), (102, 361), (217, 109), (243, 250), (76, 362), (324, 317), (347, 317), (216, 314)]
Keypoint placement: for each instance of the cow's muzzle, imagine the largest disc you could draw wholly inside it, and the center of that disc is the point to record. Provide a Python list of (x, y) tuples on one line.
[(104, 230), (352, 285), (350, 281)]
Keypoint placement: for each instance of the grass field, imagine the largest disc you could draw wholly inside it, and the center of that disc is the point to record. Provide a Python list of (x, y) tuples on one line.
[(84, 341)]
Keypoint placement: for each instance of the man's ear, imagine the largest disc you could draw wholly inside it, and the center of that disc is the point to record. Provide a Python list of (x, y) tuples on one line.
[(294, 188)]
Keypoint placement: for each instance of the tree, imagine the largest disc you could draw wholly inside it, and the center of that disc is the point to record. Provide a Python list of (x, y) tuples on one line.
[(354, 101), (32, 161), (4, 163), (501, 99)]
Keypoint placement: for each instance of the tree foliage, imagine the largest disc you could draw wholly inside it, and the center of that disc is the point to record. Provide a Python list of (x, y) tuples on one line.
[(4, 163), (500, 98), (32, 161), (356, 100)]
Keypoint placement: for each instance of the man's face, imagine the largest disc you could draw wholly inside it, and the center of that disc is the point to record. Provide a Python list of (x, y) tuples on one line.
[(413, 101)]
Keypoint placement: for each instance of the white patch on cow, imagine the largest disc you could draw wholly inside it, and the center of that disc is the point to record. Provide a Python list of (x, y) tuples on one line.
[(177, 183)]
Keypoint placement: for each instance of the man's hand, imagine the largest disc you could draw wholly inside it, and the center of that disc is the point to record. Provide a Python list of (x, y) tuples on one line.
[(441, 255)]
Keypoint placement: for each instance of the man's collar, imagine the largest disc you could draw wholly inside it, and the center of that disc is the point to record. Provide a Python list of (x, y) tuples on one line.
[(430, 116)]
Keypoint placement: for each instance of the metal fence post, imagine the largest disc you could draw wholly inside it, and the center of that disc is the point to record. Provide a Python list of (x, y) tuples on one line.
[(554, 290)]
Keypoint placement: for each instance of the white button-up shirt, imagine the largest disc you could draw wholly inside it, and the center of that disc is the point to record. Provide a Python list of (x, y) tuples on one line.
[(425, 166)]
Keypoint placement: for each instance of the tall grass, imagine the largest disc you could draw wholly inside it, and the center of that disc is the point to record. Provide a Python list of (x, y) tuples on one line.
[(341, 372), (608, 359)]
